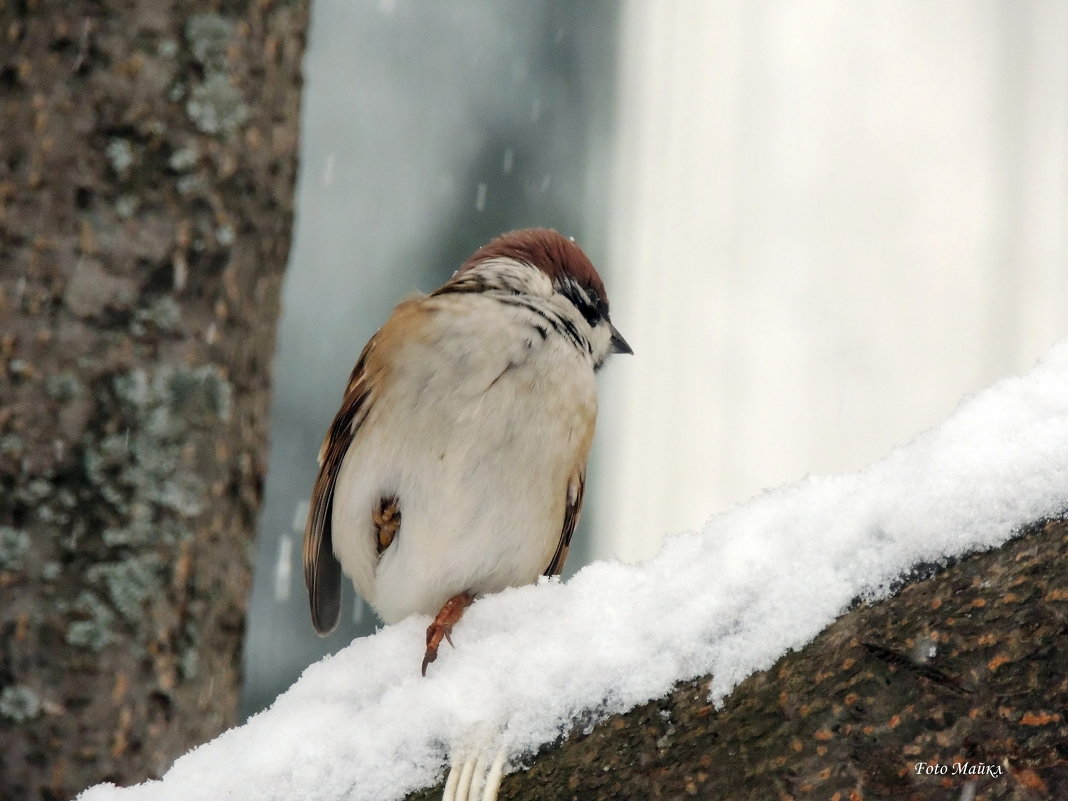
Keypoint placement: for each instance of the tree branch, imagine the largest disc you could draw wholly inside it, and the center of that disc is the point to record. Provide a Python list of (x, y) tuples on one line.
[(966, 668)]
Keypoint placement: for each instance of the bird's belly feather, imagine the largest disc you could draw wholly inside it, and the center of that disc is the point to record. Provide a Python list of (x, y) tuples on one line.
[(481, 480)]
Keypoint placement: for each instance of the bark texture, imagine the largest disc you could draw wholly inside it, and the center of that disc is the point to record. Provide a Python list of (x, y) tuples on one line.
[(968, 668), (147, 162)]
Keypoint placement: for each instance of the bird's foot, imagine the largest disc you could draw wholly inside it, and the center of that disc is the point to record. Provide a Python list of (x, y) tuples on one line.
[(449, 615)]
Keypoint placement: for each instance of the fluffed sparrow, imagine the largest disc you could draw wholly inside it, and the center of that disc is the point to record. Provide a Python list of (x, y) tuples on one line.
[(456, 465)]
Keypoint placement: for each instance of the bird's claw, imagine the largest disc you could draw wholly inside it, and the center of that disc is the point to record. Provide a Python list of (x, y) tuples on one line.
[(441, 628)]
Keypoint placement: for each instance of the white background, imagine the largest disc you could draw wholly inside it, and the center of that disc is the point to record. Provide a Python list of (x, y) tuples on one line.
[(831, 220)]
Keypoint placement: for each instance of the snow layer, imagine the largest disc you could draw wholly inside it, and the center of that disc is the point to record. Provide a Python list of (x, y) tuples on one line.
[(761, 579)]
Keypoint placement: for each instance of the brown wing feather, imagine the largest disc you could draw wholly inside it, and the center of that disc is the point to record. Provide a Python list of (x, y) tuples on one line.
[(322, 571), (575, 490)]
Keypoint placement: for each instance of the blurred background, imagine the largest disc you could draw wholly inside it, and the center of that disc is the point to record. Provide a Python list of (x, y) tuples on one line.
[(821, 224)]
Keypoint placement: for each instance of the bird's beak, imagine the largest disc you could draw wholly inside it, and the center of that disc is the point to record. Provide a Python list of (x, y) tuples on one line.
[(619, 345)]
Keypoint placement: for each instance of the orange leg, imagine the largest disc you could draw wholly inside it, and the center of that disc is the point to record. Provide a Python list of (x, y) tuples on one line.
[(448, 617)]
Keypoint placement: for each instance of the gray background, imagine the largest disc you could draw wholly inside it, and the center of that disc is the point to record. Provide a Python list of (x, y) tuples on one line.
[(427, 129)]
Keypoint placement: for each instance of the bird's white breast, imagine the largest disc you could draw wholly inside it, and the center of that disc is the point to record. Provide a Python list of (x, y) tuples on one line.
[(478, 432)]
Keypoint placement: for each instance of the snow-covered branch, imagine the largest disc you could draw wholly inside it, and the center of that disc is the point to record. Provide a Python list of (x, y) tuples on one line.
[(761, 579)]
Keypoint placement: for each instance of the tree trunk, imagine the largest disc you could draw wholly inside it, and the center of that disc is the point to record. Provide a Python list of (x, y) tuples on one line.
[(147, 161), (954, 688)]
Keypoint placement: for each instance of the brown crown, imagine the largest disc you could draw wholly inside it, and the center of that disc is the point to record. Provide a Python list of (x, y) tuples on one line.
[(552, 253)]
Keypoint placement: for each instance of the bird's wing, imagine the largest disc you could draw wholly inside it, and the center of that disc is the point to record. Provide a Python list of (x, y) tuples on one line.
[(322, 571), (575, 489)]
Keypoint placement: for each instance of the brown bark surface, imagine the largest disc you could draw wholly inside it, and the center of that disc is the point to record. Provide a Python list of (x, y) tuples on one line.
[(147, 162), (967, 668)]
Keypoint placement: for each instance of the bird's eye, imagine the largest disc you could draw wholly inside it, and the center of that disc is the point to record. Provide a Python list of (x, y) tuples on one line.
[(588, 302), (590, 312), (602, 307)]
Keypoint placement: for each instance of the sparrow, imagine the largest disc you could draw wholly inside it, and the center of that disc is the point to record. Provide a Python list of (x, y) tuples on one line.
[(456, 465)]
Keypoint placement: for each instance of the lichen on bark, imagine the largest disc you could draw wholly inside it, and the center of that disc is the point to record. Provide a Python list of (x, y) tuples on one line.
[(141, 252)]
